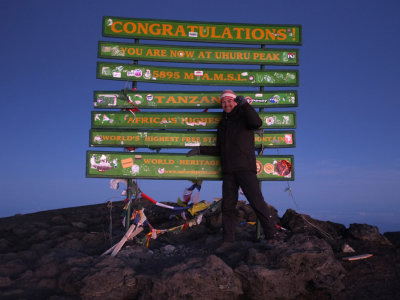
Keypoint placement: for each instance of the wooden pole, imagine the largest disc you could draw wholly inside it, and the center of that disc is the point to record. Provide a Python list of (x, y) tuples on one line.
[(129, 191), (258, 225)]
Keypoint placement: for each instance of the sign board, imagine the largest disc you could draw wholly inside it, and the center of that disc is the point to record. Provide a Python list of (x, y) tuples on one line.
[(180, 120), (199, 99), (181, 139), (178, 166), (201, 31), (198, 54), (203, 76)]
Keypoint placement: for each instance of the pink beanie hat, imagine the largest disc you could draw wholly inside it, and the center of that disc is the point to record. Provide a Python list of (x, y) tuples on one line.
[(229, 94)]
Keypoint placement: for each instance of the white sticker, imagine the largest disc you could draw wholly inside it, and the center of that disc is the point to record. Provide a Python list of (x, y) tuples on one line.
[(116, 74), (270, 121), (149, 97), (135, 169), (244, 74), (105, 71), (138, 73), (147, 75), (198, 73), (193, 34), (130, 73)]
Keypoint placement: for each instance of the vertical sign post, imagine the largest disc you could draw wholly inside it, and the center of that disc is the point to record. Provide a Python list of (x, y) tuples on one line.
[(130, 183)]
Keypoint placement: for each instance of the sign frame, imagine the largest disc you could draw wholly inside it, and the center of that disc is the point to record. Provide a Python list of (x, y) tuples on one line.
[(186, 54), (175, 139), (180, 120), (165, 159), (189, 99), (195, 76), (213, 28)]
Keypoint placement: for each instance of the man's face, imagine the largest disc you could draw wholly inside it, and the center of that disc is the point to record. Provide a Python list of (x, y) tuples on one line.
[(228, 104)]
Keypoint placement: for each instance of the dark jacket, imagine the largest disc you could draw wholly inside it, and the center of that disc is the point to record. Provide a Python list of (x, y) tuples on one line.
[(235, 140)]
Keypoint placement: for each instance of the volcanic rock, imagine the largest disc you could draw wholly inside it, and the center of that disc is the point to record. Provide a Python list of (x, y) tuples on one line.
[(57, 255)]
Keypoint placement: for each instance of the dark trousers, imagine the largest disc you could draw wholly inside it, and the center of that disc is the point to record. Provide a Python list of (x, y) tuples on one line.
[(251, 189)]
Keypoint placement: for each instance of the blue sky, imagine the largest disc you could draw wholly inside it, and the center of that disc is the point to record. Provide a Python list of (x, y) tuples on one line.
[(347, 156)]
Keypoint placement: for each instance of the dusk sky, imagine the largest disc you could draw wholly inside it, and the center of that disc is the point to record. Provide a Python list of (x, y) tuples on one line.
[(347, 164)]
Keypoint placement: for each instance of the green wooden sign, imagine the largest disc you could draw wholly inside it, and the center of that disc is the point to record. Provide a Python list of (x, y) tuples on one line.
[(201, 31), (180, 139), (158, 74), (200, 99), (178, 166), (198, 54), (180, 120)]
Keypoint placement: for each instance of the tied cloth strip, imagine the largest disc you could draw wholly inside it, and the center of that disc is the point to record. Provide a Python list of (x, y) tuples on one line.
[(139, 221), (154, 233), (144, 196), (200, 209), (148, 198), (135, 108), (131, 110), (190, 193)]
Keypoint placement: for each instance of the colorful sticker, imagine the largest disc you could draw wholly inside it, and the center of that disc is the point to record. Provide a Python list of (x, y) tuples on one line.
[(283, 167), (269, 168), (259, 166), (127, 163), (270, 121)]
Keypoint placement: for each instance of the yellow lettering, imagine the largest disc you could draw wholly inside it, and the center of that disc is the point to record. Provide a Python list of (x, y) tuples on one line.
[(213, 34), (270, 34), (258, 36), (238, 32), (114, 25), (282, 34), (189, 76), (153, 30), (167, 29), (131, 25), (180, 31), (227, 33), (143, 28)]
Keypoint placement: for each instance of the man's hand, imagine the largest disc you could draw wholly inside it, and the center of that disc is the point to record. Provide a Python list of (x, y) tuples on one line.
[(194, 151), (240, 100)]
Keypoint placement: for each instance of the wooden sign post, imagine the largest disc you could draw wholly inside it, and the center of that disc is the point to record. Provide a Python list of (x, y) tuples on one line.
[(121, 119)]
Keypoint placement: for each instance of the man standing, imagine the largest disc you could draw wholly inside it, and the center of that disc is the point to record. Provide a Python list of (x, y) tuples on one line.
[(235, 145)]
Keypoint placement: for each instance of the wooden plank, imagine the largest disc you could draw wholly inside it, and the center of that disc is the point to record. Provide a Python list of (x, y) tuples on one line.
[(198, 76), (181, 139), (195, 99), (178, 166), (196, 31), (209, 55), (180, 120)]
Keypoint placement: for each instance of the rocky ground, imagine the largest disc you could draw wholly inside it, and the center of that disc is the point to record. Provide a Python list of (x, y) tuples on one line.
[(57, 255)]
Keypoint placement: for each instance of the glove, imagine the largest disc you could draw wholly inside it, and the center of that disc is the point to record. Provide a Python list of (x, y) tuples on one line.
[(240, 100), (194, 151)]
